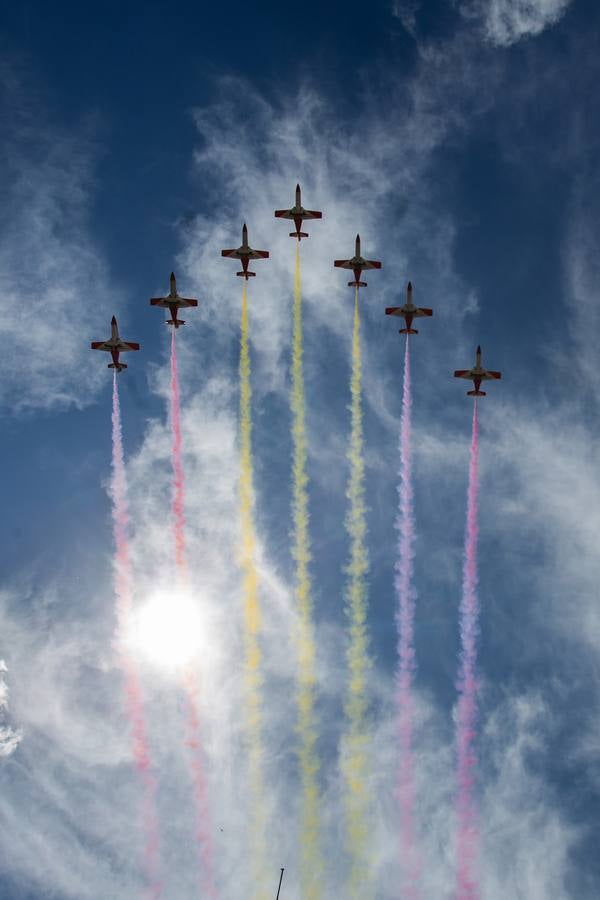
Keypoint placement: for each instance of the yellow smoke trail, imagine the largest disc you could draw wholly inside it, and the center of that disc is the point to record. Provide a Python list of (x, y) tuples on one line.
[(355, 759), (252, 619), (311, 858)]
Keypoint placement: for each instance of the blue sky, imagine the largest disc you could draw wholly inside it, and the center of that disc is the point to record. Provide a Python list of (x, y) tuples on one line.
[(461, 139)]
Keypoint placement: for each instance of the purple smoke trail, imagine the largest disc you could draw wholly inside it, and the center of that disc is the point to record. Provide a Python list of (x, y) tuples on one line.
[(405, 615), (468, 830), (193, 738), (133, 692)]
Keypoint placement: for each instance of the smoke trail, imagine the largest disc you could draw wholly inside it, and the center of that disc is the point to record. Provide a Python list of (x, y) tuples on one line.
[(193, 730), (468, 832), (405, 524), (178, 482), (311, 858), (133, 693), (355, 762), (252, 617)]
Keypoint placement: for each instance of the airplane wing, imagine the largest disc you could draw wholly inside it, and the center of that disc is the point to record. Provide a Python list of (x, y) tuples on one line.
[(232, 254), (159, 301), (258, 254), (185, 302), (393, 311), (421, 311), (488, 376), (343, 263), (124, 346), (312, 214), (463, 373), (283, 214), (99, 345), (371, 264)]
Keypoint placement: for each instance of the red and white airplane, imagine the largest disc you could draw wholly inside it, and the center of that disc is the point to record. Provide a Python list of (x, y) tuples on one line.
[(357, 264), (409, 312), (173, 302), (245, 253), (298, 214), (477, 374), (115, 345)]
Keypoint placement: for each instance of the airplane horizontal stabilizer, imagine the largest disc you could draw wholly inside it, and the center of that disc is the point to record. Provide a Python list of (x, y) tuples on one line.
[(408, 331), (476, 394), (245, 274)]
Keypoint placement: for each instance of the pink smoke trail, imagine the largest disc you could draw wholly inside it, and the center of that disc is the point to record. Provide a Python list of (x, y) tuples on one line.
[(405, 525), (178, 482), (468, 830), (133, 693), (193, 739)]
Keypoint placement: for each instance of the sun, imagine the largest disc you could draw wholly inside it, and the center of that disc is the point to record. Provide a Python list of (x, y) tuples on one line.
[(168, 629)]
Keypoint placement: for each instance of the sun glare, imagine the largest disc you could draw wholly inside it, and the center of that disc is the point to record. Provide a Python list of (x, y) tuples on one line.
[(168, 629)]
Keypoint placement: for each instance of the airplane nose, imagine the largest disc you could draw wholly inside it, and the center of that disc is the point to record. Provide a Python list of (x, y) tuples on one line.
[(478, 349), (113, 321)]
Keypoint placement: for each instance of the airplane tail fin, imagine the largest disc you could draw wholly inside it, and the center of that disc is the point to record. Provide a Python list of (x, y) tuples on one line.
[(408, 331), (298, 234), (118, 367), (476, 394), (357, 284), (175, 322), (245, 275)]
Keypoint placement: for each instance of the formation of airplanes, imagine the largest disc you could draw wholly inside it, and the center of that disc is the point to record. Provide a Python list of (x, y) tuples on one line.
[(245, 254)]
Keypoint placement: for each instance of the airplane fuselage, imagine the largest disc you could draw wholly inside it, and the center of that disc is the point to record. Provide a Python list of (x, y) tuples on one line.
[(298, 220), (245, 260), (173, 307), (115, 358)]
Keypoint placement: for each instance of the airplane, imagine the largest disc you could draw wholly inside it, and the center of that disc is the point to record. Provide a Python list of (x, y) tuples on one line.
[(409, 311), (114, 345), (280, 880), (173, 302), (298, 214), (357, 264), (477, 374), (245, 253)]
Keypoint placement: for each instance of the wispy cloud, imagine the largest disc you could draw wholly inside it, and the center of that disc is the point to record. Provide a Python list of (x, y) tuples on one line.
[(507, 21), (406, 11), (55, 290), (9, 738)]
